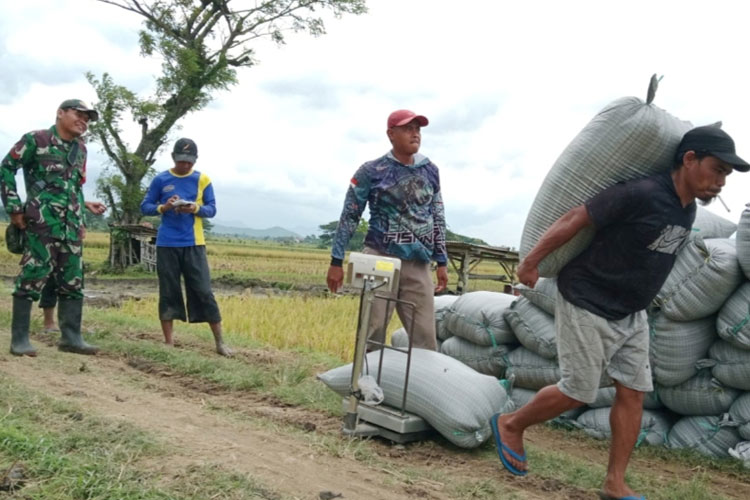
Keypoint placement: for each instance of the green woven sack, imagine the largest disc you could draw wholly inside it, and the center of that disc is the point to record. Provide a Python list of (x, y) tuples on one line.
[(15, 239)]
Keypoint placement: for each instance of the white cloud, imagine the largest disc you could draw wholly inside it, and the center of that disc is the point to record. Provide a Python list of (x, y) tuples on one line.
[(506, 85)]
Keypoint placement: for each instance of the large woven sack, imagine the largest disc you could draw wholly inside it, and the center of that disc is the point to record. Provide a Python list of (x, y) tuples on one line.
[(651, 401), (740, 413), (709, 225), (655, 425), (701, 395), (743, 241), (629, 138), (704, 276), (489, 360), (442, 304), (711, 436), (531, 371), (400, 339), (733, 322), (454, 399), (478, 318), (676, 346), (605, 397), (543, 295), (731, 365), (534, 328)]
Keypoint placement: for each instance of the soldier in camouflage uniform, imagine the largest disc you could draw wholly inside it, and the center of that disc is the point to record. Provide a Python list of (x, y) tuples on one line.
[(54, 166)]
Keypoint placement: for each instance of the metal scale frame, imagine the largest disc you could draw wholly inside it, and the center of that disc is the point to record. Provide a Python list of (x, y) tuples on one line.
[(371, 273)]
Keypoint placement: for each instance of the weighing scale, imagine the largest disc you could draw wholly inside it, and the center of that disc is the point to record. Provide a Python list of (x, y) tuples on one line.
[(371, 273)]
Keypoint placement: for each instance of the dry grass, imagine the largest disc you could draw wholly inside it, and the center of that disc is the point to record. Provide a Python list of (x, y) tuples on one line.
[(310, 323)]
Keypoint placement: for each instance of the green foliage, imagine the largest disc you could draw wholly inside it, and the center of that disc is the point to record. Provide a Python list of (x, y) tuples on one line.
[(200, 44), (356, 243), (451, 236)]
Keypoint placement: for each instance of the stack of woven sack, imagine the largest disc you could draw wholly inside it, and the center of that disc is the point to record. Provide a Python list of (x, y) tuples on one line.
[(699, 321)]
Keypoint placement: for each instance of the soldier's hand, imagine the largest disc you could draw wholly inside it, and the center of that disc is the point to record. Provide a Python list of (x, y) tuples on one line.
[(95, 207), (18, 220), (335, 278), (442, 277)]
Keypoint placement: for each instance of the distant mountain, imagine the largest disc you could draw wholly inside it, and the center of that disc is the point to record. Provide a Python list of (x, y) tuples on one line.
[(246, 232)]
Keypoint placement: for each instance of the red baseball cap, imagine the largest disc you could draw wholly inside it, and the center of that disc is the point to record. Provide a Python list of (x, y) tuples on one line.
[(404, 116)]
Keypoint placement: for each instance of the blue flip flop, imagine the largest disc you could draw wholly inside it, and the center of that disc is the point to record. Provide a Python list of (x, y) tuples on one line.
[(501, 448), (604, 496)]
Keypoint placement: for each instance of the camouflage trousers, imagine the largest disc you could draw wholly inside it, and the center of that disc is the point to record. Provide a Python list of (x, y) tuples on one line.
[(44, 257)]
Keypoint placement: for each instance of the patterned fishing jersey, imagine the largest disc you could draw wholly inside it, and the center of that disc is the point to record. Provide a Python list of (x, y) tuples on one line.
[(407, 219), (180, 230), (54, 171)]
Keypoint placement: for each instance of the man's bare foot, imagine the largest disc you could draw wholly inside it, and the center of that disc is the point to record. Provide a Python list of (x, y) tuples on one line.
[(513, 440), (222, 349), (615, 490)]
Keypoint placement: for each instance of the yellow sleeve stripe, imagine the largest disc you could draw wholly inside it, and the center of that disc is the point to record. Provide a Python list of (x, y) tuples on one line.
[(198, 224)]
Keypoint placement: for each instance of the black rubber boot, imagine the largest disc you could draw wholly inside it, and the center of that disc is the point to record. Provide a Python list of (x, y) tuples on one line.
[(19, 328), (69, 319)]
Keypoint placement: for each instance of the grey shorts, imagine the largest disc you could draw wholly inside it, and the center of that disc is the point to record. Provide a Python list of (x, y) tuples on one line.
[(588, 345)]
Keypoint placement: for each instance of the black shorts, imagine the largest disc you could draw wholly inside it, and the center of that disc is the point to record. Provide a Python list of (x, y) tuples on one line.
[(191, 264)]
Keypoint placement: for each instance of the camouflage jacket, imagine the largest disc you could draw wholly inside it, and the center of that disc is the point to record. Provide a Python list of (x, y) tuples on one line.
[(54, 171)]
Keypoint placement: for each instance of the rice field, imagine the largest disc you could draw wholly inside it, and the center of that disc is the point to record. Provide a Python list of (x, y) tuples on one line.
[(315, 322)]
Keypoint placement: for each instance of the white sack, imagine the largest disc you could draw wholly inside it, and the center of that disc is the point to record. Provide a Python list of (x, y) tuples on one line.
[(733, 322), (701, 395), (484, 359), (534, 328), (676, 346), (712, 436), (743, 241), (478, 318), (454, 399), (543, 295), (704, 276), (655, 425)]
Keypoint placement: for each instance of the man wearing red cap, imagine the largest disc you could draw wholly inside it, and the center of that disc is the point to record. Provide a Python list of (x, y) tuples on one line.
[(407, 221)]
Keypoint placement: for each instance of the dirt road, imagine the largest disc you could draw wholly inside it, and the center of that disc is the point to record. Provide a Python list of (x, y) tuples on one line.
[(292, 450)]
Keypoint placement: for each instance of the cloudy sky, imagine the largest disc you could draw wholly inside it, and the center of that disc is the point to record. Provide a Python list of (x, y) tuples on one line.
[(506, 86)]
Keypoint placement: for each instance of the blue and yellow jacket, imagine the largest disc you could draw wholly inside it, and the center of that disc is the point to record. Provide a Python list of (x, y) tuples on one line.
[(180, 230)]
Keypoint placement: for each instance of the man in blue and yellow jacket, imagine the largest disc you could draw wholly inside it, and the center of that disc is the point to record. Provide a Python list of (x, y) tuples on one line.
[(183, 196)]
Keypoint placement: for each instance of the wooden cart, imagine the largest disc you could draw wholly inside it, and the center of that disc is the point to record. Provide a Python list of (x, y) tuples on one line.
[(465, 257)]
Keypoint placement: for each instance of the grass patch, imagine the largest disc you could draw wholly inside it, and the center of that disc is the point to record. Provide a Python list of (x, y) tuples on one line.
[(65, 454), (290, 376)]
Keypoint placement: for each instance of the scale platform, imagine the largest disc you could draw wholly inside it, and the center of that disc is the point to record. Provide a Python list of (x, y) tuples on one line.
[(388, 422)]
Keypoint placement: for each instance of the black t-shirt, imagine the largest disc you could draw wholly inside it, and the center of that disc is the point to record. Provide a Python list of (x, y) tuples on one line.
[(640, 225)]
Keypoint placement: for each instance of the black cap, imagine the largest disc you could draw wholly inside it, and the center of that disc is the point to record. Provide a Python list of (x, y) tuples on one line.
[(185, 150), (80, 106), (713, 141)]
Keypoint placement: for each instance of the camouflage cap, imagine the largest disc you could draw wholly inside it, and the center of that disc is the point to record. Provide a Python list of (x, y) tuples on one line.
[(80, 105)]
